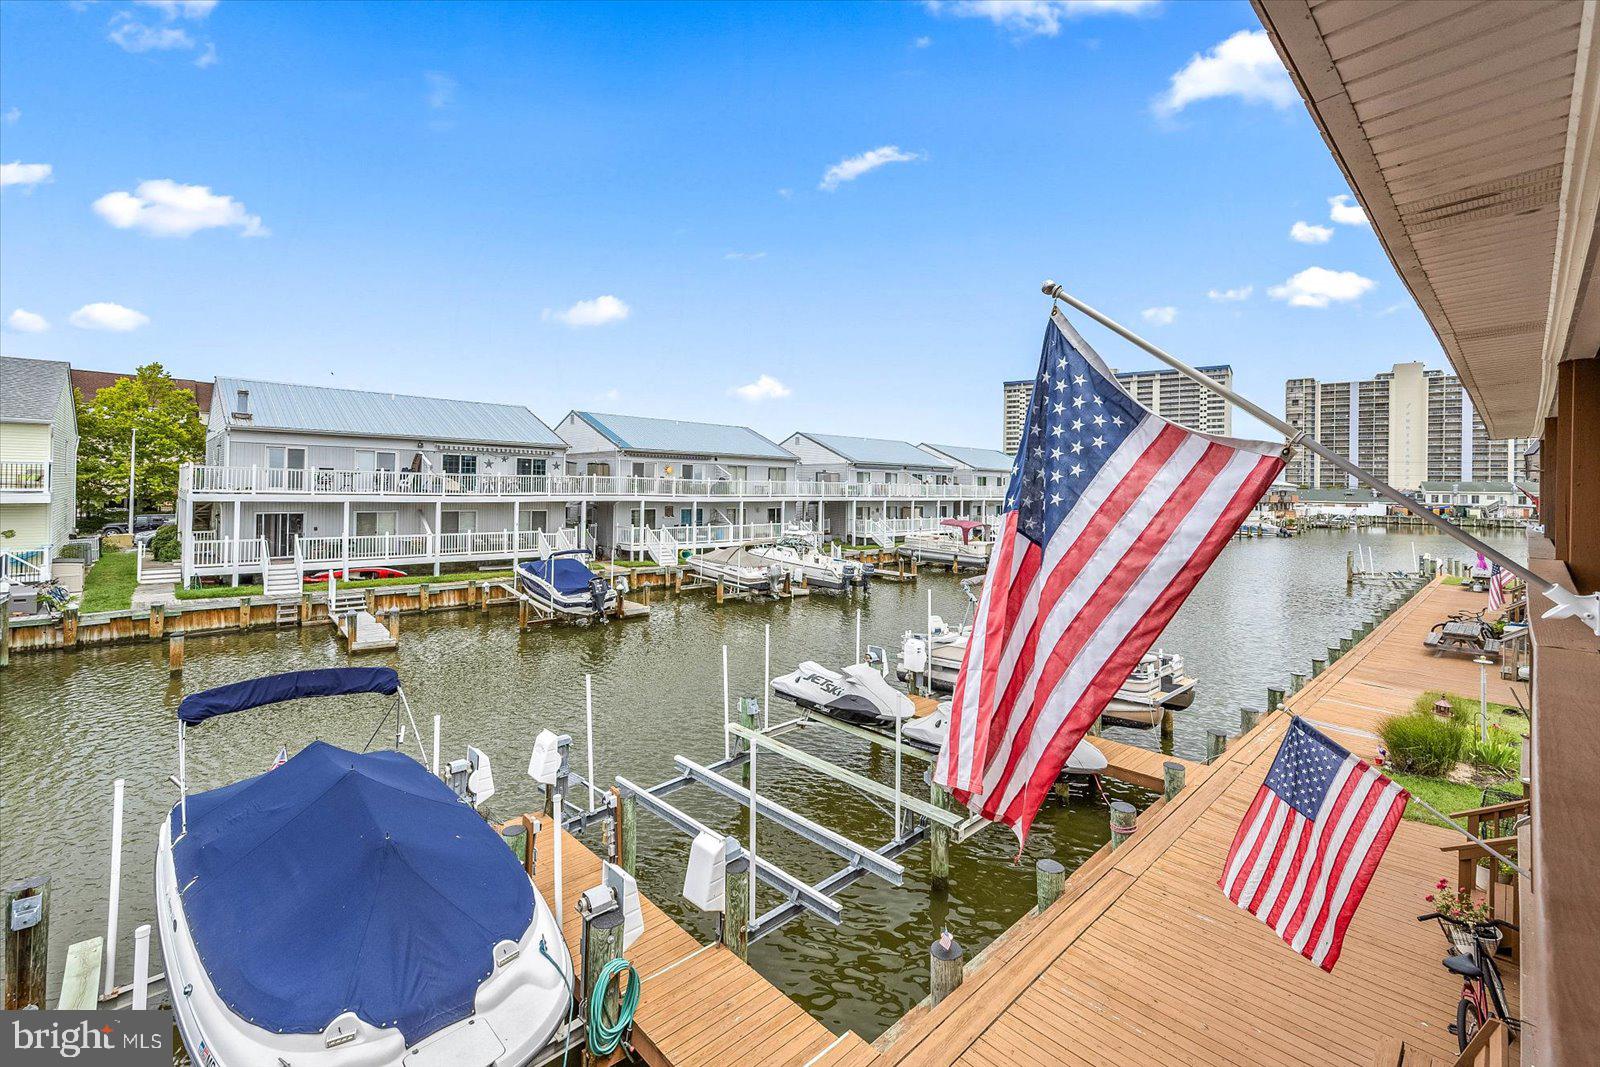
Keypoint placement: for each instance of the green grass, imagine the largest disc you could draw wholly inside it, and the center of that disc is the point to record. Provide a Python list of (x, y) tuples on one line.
[(599, 566), (1453, 579), (1465, 711), (1446, 796), (214, 592), (110, 583)]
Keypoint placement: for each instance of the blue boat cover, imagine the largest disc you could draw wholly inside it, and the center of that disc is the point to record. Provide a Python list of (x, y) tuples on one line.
[(275, 688), (569, 575), (344, 882)]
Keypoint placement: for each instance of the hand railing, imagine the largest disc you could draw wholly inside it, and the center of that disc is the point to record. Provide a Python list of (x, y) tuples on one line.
[(24, 476)]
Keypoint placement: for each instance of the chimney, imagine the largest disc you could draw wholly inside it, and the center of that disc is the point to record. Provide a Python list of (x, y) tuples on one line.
[(241, 409)]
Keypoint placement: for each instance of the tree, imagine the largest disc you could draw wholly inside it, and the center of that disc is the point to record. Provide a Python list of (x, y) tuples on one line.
[(170, 433)]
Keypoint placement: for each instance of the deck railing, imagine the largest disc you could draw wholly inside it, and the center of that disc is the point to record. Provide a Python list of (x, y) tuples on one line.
[(211, 555), (28, 565), (24, 476), (715, 535), (279, 481)]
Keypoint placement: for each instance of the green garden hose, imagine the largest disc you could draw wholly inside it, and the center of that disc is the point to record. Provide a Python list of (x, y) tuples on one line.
[(604, 1038)]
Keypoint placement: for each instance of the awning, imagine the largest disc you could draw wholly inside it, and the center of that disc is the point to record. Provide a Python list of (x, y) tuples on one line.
[(294, 685)]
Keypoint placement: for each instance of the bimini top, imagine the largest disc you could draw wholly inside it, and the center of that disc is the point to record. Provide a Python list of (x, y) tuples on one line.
[(568, 574), (276, 688), (344, 882)]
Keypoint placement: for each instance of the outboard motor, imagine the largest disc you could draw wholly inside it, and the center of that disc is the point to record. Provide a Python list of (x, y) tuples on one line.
[(599, 588)]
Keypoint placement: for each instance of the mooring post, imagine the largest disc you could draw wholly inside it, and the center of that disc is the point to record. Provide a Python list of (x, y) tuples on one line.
[(1172, 778), (422, 598), (939, 840), (1123, 820), (1297, 682), (5, 627), (1097, 728), (522, 614), (1349, 571), (719, 591), (1274, 698), (392, 622), (305, 608), (158, 623), (1318, 666), (736, 901), (604, 942), (515, 835), (1050, 879), (27, 955), (69, 627), (1216, 743), (244, 614), (1168, 722), (175, 654), (1333, 654), (370, 599), (945, 966), (749, 716), (627, 842), (1248, 717)]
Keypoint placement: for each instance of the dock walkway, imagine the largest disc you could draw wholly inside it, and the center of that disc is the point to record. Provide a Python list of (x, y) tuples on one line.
[(1143, 960)]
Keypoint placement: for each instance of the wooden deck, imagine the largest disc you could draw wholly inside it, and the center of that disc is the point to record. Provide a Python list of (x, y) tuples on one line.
[(698, 1005), (1144, 961), (370, 634)]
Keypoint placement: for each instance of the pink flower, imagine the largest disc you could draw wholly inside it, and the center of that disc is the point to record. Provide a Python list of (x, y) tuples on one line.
[(1441, 883), (1429, 898)]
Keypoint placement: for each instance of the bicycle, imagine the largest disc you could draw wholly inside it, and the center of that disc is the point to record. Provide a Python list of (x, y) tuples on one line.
[(1482, 991)]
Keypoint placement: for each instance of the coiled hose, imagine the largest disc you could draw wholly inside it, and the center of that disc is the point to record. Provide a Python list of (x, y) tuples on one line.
[(604, 1038)]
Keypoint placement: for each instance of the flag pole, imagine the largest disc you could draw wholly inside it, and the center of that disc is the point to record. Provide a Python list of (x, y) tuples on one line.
[(1567, 604)]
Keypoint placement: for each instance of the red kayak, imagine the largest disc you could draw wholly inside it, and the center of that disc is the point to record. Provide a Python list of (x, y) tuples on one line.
[(356, 573)]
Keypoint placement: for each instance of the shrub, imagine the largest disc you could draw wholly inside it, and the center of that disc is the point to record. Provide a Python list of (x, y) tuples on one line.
[(164, 546), (1499, 753), (1423, 744)]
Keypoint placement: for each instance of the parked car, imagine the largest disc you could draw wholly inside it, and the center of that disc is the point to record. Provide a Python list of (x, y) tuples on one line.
[(142, 524), (356, 574)]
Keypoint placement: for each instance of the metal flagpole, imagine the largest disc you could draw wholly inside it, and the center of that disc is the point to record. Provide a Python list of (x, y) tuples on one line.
[(133, 451), (1566, 604)]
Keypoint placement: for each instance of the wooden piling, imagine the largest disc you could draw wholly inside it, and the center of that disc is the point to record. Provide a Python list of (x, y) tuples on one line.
[(157, 623), (1098, 727), (939, 841), (244, 614), (1297, 682), (69, 627), (1173, 776), (1216, 744), (515, 835), (1318, 666), (1274, 698), (626, 828), (719, 591), (422, 598), (27, 956), (1248, 717), (391, 622), (946, 960), (1050, 879), (604, 945), (1168, 721), (736, 906), (175, 654), (1333, 654), (5, 634), (305, 608), (370, 599), (1123, 820)]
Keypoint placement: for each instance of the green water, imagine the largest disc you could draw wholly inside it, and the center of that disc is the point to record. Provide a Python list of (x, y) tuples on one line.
[(72, 723)]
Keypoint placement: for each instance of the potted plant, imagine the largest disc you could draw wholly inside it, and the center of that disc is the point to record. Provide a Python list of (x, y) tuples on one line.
[(1463, 916)]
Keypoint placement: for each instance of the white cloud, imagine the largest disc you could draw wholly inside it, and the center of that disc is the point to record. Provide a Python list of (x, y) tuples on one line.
[(12, 116), (1308, 234), (441, 89), (208, 58), (1231, 295), (746, 256), (131, 35), (848, 170), (1344, 210), (113, 317), (165, 208), (596, 312), (27, 322), (189, 9), (766, 387), (25, 174), (1245, 65), (786, 193), (1317, 287), (1161, 316), (1041, 18), (922, 42)]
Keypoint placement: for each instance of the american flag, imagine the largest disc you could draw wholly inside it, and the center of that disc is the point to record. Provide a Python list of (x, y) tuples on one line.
[(1310, 842), (281, 758), (1497, 587), (1111, 517)]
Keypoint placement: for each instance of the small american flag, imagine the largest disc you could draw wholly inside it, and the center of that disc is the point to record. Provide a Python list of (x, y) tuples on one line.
[(1497, 587), (281, 759), (1311, 841), (1112, 516)]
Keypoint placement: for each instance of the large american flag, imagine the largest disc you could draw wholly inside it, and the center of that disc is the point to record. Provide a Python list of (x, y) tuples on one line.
[(1112, 516), (1310, 842)]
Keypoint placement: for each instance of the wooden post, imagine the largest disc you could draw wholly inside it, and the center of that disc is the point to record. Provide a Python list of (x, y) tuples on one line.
[(605, 945), (157, 623), (522, 614), (1123, 820), (80, 981), (422, 597), (1318, 666), (5, 633), (27, 956), (305, 608), (1248, 717), (719, 590), (1168, 721), (939, 841), (1050, 878), (1172, 778), (175, 654), (945, 966), (1274, 698), (748, 717), (1297, 682), (245, 614), (627, 827), (736, 905), (69, 627), (1097, 728), (1216, 744), (530, 858), (677, 580), (515, 835), (370, 598), (391, 620)]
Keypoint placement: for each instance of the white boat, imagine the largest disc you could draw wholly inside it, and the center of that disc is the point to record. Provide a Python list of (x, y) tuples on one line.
[(858, 694), (802, 561), (737, 568), (348, 909), (566, 585), (943, 547), (929, 732), (1157, 683)]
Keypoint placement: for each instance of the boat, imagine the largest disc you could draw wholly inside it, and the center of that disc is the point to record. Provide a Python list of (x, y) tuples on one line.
[(349, 909), (737, 568), (928, 732), (858, 694), (1156, 684), (356, 574), (565, 584), (802, 561), (943, 545)]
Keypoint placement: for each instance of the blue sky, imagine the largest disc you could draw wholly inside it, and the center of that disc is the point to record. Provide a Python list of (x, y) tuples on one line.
[(463, 199)]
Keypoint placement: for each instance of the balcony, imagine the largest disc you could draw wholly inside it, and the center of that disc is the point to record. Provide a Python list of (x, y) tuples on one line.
[(24, 482), (231, 483), (210, 555)]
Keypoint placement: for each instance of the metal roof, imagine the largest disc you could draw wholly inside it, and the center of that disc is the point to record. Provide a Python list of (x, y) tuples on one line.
[(983, 459), (320, 409), (1340, 496), (1467, 487), (880, 451), (636, 433), (31, 388)]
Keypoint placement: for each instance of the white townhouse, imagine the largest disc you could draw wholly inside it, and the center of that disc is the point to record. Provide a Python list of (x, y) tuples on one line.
[(887, 488), (300, 478), (1484, 499), (38, 466), (698, 483), (985, 468)]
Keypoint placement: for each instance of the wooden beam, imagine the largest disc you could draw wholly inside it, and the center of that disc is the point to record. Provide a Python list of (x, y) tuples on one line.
[(81, 981)]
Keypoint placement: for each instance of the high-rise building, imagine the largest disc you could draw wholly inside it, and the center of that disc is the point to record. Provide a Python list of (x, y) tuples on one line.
[(1407, 425), (1166, 392)]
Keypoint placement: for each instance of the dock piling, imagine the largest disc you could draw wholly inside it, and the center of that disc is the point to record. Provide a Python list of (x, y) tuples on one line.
[(1168, 722), (1318, 666), (1123, 820), (1274, 698), (945, 966), (1297, 682), (175, 654), (1248, 717), (1216, 743), (627, 822), (392, 622), (603, 939), (1172, 778), (1050, 878), (736, 901), (27, 957), (939, 841)]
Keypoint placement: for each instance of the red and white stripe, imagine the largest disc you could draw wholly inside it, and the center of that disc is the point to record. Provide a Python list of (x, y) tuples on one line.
[(1304, 877)]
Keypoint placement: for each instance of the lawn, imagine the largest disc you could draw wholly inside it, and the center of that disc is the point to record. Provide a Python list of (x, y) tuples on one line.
[(1446, 796), (1508, 718), (110, 583)]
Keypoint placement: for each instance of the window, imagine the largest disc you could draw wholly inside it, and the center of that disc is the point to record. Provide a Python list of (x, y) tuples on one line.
[(532, 519), (458, 522), (286, 457), (649, 518), (455, 463), (598, 470), (739, 474), (687, 471), (528, 467), (373, 523), (774, 515), (777, 474), (368, 459), (862, 477), (641, 470)]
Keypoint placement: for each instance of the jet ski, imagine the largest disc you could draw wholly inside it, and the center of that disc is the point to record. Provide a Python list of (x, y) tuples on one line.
[(929, 733), (856, 695)]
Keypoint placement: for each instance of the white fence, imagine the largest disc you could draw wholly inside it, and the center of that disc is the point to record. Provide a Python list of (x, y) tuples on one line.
[(221, 555), (664, 543), (28, 566), (279, 481)]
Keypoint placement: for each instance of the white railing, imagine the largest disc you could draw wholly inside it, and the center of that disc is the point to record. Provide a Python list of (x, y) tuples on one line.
[(213, 552), (664, 543), (27, 566), (217, 555), (278, 481)]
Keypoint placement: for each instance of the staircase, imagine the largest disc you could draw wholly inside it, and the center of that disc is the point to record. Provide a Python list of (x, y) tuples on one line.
[(346, 601), (281, 581)]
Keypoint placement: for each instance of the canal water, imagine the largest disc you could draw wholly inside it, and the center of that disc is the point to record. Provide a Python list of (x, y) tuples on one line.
[(72, 723)]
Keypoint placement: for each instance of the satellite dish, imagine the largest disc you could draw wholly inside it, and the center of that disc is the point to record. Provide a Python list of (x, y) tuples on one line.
[(480, 783)]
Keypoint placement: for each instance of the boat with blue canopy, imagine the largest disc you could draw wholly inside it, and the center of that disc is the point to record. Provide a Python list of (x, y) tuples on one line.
[(349, 909), (566, 585)]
